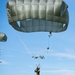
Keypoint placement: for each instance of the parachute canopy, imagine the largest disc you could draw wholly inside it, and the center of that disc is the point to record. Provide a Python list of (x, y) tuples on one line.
[(38, 15), (3, 37)]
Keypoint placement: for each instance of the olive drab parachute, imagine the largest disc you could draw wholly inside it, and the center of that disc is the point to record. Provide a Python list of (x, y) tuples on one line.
[(3, 37), (38, 15)]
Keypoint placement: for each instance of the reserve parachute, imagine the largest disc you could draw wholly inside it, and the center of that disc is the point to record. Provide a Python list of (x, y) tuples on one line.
[(3, 37), (38, 15)]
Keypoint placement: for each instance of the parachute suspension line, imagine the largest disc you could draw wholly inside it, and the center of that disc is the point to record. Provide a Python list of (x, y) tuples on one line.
[(49, 40), (41, 54), (26, 48)]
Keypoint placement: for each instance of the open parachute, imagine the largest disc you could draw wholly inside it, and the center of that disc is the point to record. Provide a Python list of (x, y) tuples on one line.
[(38, 15), (3, 37)]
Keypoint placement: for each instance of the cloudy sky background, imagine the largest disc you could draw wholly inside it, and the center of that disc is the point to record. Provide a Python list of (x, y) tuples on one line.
[(17, 52)]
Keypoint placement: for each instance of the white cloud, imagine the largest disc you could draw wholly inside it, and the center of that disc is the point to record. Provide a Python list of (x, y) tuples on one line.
[(58, 71), (70, 51), (67, 53), (62, 72), (3, 62), (62, 55)]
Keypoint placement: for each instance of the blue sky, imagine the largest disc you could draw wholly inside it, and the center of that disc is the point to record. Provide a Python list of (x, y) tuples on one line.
[(17, 52)]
